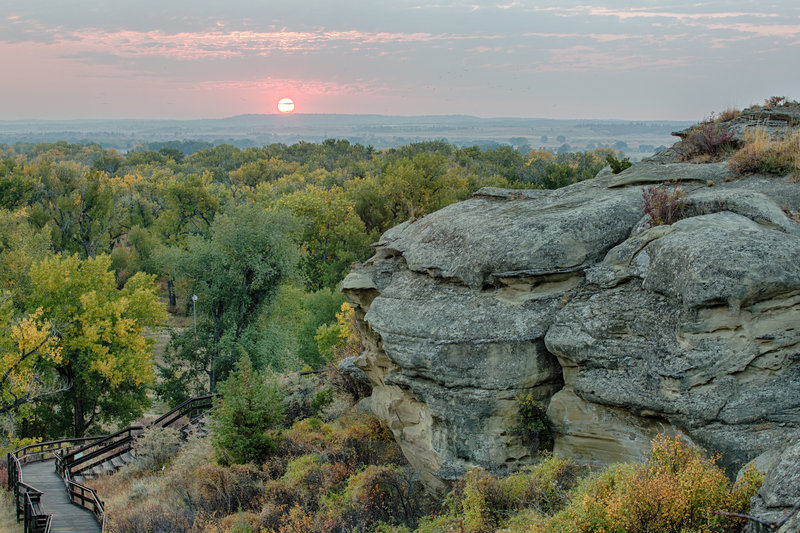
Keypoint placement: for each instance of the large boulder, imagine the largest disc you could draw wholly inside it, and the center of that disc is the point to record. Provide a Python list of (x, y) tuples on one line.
[(779, 495), (625, 330)]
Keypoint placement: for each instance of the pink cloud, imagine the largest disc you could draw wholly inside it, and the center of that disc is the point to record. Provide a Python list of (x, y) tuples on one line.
[(643, 13), (785, 31), (583, 58), (226, 44)]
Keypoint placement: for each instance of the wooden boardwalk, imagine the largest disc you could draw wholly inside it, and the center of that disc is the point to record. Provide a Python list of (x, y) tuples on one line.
[(67, 517)]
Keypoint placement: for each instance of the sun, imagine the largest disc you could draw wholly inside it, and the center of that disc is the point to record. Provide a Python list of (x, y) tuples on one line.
[(286, 105)]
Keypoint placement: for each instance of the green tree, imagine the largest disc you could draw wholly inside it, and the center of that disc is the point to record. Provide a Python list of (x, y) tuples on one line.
[(319, 308), (235, 273), (105, 357), (81, 206), (246, 415), (333, 236), (20, 246)]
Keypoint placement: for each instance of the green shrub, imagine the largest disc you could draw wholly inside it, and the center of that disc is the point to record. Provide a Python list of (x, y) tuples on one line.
[(618, 165), (481, 502), (245, 418), (534, 427)]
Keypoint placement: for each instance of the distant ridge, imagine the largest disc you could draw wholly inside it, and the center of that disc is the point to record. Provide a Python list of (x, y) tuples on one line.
[(380, 131)]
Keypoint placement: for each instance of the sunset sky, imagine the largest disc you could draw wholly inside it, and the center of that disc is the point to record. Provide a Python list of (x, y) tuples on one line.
[(68, 59)]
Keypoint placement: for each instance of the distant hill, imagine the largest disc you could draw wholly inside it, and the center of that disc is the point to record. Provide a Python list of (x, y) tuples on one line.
[(380, 131)]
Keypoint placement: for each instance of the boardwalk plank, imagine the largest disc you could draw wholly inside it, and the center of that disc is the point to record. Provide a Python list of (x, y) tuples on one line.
[(67, 517)]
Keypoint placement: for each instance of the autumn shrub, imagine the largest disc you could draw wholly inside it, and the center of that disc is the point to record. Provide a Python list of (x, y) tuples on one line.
[(482, 502), (150, 516), (387, 494), (179, 479), (678, 489), (711, 138), (365, 440), (663, 206), (3, 475), (224, 490), (726, 115), (308, 436), (241, 522), (776, 101), (764, 154)]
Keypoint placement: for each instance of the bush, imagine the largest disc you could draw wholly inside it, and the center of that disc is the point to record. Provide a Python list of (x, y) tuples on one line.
[(677, 489), (709, 138), (618, 165), (763, 154), (481, 502), (534, 427), (245, 418), (662, 206), (155, 447), (385, 494)]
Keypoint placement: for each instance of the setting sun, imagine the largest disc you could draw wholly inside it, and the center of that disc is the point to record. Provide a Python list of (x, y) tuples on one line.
[(286, 105)]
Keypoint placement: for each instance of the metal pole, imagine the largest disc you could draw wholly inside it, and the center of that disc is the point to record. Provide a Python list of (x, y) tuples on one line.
[(196, 375)]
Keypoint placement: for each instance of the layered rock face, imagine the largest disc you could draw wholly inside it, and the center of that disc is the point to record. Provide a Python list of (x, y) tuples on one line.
[(622, 329)]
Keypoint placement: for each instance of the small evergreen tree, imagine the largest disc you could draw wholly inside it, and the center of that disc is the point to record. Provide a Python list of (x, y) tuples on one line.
[(245, 417)]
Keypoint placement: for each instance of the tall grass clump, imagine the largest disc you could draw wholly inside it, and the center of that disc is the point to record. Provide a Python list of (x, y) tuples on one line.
[(766, 154)]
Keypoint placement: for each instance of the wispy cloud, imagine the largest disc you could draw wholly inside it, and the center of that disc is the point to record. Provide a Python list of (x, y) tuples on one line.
[(625, 14), (226, 44), (583, 58), (306, 86)]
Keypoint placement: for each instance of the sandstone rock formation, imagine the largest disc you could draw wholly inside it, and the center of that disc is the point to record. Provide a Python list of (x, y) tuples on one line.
[(780, 492), (623, 329)]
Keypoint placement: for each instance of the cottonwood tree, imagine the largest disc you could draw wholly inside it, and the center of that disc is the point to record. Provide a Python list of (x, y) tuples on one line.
[(29, 350), (104, 355), (235, 272)]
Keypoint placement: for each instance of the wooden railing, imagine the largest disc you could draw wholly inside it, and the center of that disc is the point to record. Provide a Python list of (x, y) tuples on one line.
[(87, 498), (74, 456), (27, 500), (104, 449)]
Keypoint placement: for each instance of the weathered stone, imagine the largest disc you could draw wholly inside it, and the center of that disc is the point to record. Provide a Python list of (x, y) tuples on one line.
[(779, 493), (347, 366), (626, 330)]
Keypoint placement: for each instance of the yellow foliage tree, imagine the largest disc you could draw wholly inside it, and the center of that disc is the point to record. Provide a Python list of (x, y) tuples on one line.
[(28, 351), (104, 356)]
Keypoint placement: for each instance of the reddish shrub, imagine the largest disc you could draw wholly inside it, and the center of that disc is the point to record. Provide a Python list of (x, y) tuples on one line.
[(712, 138), (663, 206)]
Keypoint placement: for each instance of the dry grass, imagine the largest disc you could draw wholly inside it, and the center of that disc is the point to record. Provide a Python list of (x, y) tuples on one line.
[(726, 115), (8, 521), (765, 154)]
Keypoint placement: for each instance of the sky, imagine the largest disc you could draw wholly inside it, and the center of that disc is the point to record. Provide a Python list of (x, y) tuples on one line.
[(185, 59)]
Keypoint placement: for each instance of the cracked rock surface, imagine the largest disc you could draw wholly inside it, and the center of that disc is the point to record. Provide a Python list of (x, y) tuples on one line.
[(622, 329)]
